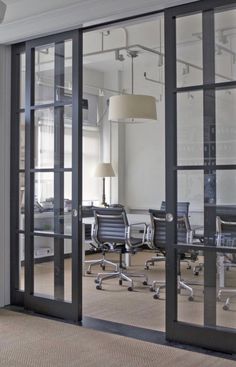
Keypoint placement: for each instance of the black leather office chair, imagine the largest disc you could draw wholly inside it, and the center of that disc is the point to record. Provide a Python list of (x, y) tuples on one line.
[(182, 210), (158, 242), (113, 230), (88, 211), (226, 236)]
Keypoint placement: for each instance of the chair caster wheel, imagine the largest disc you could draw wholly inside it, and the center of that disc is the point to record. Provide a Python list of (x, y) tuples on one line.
[(190, 298), (98, 287), (146, 268), (196, 273), (156, 296), (88, 272), (96, 281), (120, 282), (103, 267), (152, 289), (225, 308), (130, 289), (145, 282), (189, 267)]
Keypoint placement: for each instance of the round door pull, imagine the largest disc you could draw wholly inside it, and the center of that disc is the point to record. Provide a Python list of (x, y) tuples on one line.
[(75, 213), (169, 217)]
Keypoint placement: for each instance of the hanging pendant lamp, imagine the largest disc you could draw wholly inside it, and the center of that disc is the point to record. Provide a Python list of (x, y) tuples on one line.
[(132, 107)]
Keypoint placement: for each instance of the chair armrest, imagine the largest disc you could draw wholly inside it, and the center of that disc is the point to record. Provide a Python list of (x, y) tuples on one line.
[(137, 224)]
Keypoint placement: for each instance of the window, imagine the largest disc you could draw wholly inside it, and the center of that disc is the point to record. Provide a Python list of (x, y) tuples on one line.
[(91, 156)]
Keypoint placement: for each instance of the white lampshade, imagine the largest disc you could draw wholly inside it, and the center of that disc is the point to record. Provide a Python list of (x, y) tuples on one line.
[(132, 106), (104, 170)]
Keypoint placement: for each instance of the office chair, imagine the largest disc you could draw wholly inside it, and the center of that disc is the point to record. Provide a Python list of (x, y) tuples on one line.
[(226, 236), (113, 230), (158, 242), (182, 209), (88, 211)]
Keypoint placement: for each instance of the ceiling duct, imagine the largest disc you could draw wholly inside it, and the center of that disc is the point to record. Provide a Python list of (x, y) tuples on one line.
[(3, 8)]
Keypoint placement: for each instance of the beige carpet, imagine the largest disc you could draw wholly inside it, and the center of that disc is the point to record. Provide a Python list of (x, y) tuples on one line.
[(27, 341), (138, 308)]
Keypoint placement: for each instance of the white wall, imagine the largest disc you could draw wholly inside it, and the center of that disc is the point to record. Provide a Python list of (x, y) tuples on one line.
[(5, 64)]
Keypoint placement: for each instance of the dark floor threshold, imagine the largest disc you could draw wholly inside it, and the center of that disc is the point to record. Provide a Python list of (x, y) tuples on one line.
[(138, 333)]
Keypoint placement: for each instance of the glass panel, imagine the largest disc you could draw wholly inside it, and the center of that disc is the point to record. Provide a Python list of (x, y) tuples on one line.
[(22, 81), (45, 212), (22, 141), (21, 262), (44, 202), (44, 74), (190, 128), (226, 296), (68, 203), (44, 266), (191, 190), (191, 288), (225, 126), (68, 136), (189, 50), (63, 70), (22, 201), (44, 138), (91, 156), (225, 45), (225, 190), (226, 262), (52, 268), (68, 270)]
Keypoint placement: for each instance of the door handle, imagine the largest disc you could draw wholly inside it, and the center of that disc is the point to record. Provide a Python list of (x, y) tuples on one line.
[(75, 213), (169, 217)]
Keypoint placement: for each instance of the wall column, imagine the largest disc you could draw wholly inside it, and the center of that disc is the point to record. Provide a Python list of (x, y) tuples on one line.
[(5, 122)]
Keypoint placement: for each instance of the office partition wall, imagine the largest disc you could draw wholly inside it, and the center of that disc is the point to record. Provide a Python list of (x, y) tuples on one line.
[(200, 152), (46, 174), (46, 181)]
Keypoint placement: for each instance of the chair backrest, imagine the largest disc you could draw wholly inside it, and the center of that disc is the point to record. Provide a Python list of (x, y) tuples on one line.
[(158, 226), (182, 207), (110, 225), (226, 229)]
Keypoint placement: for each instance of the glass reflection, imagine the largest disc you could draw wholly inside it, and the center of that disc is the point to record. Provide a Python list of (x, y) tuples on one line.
[(44, 74), (44, 138)]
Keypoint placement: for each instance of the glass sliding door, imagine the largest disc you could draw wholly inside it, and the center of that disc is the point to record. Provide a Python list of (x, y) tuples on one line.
[(49, 227), (200, 156)]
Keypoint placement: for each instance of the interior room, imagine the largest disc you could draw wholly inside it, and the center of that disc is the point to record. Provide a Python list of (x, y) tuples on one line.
[(117, 147), (128, 58)]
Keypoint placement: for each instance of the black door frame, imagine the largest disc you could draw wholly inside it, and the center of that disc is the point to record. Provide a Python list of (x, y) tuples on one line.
[(53, 307), (209, 335)]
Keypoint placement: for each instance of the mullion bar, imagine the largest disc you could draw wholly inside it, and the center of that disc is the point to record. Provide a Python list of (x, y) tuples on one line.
[(50, 105), (14, 199), (207, 167), (209, 174), (29, 179), (50, 170), (171, 175), (221, 85), (50, 235), (77, 130), (198, 6), (59, 175)]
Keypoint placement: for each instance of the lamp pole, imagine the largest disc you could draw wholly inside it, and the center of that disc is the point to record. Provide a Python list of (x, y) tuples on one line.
[(103, 193)]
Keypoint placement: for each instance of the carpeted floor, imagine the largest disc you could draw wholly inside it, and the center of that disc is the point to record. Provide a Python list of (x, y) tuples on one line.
[(27, 341), (138, 308)]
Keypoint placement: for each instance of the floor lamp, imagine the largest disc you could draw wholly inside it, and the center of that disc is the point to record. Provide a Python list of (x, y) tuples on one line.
[(104, 170)]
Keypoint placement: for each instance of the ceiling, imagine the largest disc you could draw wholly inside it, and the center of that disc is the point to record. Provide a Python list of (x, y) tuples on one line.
[(27, 19)]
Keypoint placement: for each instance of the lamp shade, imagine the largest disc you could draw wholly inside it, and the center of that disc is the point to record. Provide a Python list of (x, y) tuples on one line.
[(132, 106), (104, 170)]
